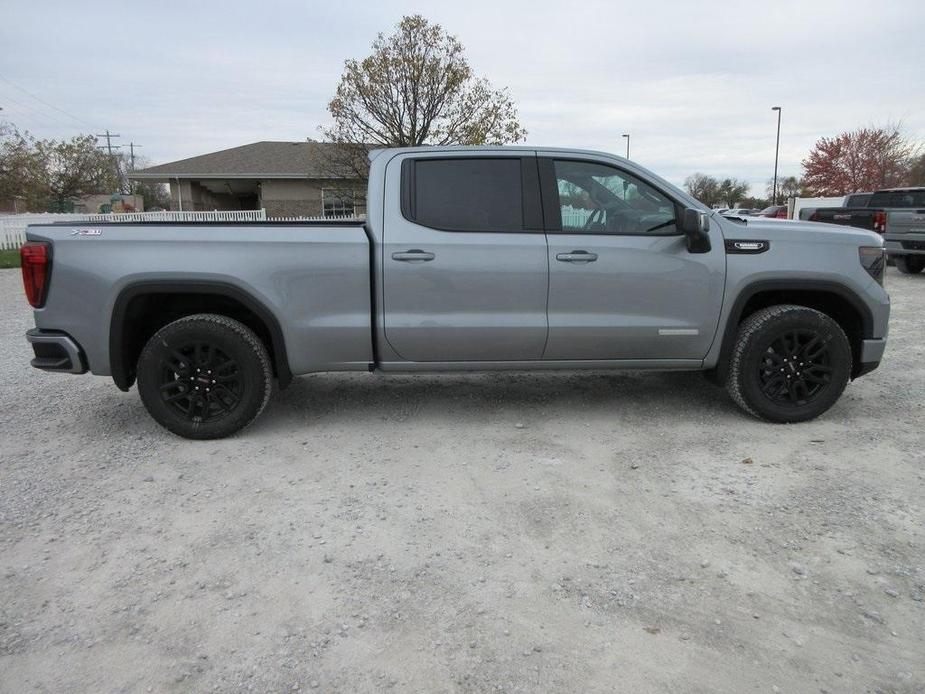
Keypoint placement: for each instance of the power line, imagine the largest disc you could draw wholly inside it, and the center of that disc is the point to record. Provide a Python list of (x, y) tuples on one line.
[(42, 101), (32, 109)]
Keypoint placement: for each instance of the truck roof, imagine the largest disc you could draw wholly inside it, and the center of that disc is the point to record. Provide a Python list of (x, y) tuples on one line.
[(488, 148)]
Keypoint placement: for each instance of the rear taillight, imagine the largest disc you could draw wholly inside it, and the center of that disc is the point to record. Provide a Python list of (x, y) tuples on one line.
[(781, 213), (35, 257), (873, 258), (880, 221)]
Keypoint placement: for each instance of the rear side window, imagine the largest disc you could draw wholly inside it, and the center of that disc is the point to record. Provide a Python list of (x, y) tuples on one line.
[(898, 198), (466, 194)]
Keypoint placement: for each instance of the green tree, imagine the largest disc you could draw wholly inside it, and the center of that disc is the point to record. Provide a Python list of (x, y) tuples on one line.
[(703, 187), (75, 168), (917, 171), (417, 88), (787, 187), (21, 169), (731, 191), (49, 174)]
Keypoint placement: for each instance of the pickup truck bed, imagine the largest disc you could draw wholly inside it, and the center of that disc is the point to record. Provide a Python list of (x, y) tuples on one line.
[(868, 218), (316, 274)]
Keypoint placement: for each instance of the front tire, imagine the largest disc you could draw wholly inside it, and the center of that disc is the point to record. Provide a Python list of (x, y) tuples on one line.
[(789, 364), (204, 376), (910, 264)]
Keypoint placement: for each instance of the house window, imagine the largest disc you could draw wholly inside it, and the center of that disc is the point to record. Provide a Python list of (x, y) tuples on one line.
[(338, 202)]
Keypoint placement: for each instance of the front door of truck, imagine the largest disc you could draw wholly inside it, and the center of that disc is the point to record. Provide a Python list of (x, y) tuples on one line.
[(622, 283), (464, 261)]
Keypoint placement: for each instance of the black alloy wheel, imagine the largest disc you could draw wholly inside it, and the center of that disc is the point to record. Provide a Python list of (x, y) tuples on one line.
[(795, 368), (205, 376)]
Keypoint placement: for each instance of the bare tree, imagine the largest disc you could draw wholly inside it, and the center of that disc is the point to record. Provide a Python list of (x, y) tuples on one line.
[(417, 88)]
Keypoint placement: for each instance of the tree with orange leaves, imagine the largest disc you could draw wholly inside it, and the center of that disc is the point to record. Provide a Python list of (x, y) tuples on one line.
[(857, 161)]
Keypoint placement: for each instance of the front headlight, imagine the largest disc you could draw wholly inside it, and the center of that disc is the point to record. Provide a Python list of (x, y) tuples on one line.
[(873, 258)]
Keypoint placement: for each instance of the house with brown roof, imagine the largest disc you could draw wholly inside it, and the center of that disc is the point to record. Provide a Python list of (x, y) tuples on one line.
[(285, 178)]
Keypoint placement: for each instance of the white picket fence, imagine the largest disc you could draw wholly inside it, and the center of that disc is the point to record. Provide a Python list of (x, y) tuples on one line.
[(13, 227)]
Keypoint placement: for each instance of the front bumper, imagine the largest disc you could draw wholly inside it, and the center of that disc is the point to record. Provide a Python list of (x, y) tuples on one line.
[(871, 354), (56, 351)]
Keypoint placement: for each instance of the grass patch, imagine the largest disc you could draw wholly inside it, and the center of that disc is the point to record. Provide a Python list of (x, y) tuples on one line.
[(9, 259)]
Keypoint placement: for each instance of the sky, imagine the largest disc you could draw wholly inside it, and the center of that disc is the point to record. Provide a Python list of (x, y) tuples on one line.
[(692, 82)]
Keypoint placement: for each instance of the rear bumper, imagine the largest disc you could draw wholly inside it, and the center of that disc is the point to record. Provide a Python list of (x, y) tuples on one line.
[(56, 351), (904, 244)]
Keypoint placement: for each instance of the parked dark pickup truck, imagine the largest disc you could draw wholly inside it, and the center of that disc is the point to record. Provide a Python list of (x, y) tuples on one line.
[(898, 214), (856, 212)]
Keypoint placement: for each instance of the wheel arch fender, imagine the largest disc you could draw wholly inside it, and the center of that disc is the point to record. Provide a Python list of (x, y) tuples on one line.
[(850, 312), (199, 293)]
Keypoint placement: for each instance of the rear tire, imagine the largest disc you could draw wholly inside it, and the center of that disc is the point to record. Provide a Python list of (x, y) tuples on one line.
[(910, 264), (204, 376), (789, 364)]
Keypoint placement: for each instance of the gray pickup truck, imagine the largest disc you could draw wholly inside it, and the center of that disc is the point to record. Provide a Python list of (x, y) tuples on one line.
[(904, 230), (470, 259)]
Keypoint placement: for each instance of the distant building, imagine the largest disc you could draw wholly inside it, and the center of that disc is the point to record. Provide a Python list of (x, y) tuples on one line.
[(285, 178)]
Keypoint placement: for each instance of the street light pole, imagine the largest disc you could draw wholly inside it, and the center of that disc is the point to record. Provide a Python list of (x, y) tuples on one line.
[(626, 135), (776, 153)]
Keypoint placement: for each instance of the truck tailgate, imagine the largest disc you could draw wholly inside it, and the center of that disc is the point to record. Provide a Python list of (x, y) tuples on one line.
[(906, 222)]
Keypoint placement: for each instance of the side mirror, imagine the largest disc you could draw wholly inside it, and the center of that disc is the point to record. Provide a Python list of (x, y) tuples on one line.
[(696, 225)]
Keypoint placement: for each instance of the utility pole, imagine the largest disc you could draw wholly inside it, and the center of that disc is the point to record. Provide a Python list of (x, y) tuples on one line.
[(109, 145), (131, 156), (776, 153), (626, 135), (131, 149), (109, 148)]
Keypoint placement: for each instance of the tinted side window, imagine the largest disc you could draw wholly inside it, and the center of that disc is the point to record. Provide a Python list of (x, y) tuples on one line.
[(898, 198), (468, 194), (599, 199)]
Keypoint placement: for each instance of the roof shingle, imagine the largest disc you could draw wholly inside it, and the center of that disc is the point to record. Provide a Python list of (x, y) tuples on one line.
[(261, 159)]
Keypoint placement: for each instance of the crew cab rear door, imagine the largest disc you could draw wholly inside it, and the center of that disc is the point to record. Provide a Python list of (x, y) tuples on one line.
[(622, 283), (464, 257)]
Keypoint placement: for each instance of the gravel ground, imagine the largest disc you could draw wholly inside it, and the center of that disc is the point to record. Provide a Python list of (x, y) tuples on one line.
[(502, 532)]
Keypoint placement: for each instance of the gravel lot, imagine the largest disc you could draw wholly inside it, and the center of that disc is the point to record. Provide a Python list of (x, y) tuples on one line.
[(513, 532)]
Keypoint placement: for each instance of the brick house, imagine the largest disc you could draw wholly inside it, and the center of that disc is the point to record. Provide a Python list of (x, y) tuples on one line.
[(285, 178)]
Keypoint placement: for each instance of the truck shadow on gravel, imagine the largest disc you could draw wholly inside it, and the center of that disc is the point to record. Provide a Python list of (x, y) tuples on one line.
[(366, 397)]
